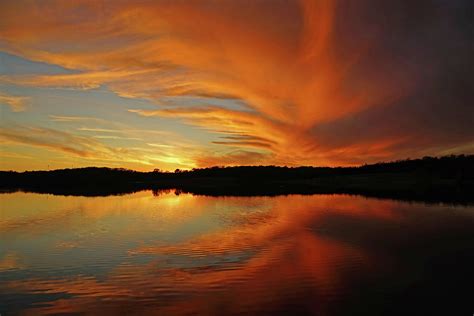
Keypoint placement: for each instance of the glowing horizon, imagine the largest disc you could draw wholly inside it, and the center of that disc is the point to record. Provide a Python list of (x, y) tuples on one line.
[(185, 84)]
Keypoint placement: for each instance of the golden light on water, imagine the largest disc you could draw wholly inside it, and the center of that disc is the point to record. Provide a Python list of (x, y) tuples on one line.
[(171, 253)]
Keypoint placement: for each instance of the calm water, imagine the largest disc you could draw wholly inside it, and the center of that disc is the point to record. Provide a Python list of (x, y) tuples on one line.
[(183, 254)]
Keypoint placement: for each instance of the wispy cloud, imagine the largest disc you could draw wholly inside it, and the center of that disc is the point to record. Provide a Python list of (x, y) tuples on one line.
[(91, 150), (7, 154), (320, 86), (65, 118), (16, 103), (55, 140), (116, 137), (101, 130)]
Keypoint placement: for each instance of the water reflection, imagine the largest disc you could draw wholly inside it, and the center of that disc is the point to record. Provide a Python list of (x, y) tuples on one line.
[(174, 253)]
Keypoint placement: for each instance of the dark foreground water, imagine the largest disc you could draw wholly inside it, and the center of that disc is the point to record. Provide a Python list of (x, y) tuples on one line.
[(183, 254)]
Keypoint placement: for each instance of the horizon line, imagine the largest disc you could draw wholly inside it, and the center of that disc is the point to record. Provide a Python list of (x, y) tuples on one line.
[(238, 166)]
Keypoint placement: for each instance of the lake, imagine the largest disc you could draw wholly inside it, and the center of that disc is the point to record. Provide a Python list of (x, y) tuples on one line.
[(167, 253)]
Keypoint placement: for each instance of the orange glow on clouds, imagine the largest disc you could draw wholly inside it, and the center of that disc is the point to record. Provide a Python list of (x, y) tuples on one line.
[(299, 69)]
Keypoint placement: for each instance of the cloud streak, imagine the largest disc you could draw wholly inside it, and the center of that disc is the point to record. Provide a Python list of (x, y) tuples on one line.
[(16, 103), (91, 150)]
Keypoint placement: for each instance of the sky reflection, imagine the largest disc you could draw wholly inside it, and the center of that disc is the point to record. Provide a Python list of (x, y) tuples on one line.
[(178, 254)]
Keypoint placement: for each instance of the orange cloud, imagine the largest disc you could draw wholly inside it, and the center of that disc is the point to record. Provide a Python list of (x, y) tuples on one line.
[(16, 103), (296, 67), (92, 151)]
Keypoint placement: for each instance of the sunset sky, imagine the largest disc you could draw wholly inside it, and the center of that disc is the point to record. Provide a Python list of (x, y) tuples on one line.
[(185, 84)]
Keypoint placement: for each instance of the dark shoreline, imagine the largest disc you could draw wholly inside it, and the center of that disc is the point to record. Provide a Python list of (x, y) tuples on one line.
[(454, 194), (446, 179)]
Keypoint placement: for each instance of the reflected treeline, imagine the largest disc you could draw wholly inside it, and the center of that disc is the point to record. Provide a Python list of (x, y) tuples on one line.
[(443, 179)]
